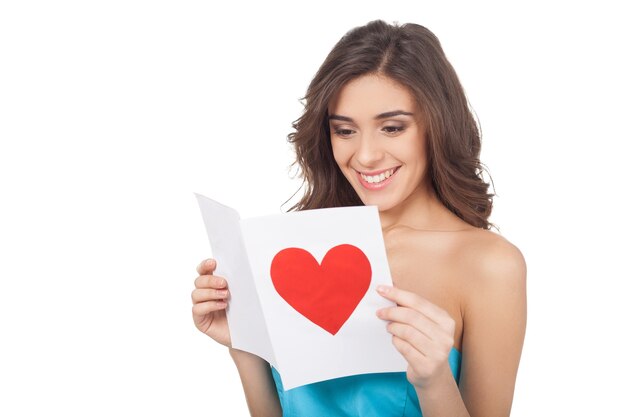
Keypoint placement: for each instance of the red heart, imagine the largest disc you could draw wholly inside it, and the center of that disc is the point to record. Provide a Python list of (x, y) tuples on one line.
[(326, 294)]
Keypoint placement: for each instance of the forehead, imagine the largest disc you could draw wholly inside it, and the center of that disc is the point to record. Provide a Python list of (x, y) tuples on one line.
[(371, 95)]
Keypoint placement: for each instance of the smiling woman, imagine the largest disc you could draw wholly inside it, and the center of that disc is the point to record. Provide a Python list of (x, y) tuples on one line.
[(386, 123), (383, 155), (411, 66)]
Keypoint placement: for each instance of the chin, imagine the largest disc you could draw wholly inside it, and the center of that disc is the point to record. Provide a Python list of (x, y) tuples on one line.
[(382, 206)]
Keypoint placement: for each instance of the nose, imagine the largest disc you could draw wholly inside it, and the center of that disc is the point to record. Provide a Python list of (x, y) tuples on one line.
[(369, 152)]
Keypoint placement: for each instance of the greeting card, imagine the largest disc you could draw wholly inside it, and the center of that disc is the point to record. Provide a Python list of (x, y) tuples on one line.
[(303, 289)]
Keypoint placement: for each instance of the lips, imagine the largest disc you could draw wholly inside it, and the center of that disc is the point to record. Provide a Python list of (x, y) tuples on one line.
[(379, 175), (372, 173), (377, 185)]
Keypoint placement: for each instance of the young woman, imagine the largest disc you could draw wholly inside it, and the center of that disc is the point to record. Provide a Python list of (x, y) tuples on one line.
[(386, 123)]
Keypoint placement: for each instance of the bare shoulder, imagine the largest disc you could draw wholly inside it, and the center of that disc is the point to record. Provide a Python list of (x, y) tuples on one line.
[(494, 317), (493, 271), (492, 298), (498, 256)]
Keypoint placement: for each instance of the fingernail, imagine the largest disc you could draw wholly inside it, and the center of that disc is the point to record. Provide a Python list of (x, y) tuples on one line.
[(222, 293), (209, 262), (383, 289)]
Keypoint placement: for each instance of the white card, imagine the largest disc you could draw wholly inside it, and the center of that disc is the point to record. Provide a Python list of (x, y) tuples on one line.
[(303, 289)]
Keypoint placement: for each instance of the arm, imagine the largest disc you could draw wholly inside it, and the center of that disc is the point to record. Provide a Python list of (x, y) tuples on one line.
[(210, 318), (495, 325), (258, 384), (494, 320)]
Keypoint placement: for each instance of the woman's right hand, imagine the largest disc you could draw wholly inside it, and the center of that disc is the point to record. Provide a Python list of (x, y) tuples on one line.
[(209, 303)]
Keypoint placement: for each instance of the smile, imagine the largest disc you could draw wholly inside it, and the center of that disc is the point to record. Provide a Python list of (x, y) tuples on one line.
[(376, 182)]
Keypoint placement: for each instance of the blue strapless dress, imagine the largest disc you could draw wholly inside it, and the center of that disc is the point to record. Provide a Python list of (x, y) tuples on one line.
[(368, 395)]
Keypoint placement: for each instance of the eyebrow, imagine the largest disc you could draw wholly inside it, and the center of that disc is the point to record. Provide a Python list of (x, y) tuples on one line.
[(380, 116)]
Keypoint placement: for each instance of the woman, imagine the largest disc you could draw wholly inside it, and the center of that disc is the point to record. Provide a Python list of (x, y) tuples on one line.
[(386, 123)]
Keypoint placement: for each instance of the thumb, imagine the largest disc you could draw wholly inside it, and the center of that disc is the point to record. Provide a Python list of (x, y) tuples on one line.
[(207, 266)]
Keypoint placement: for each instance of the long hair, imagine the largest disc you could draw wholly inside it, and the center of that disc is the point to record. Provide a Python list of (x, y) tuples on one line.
[(411, 55)]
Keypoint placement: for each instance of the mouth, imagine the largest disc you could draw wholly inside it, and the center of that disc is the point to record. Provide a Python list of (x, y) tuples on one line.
[(378, 181)]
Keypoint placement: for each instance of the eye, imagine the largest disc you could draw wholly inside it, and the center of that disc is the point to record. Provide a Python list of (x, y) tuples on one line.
[(393, 129), (343, 132)]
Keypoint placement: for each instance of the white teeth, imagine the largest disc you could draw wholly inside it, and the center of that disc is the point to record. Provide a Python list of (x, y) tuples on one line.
[(378, 178)]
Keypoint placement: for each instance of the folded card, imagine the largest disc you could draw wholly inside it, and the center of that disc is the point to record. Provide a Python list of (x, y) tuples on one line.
[(302, 289)]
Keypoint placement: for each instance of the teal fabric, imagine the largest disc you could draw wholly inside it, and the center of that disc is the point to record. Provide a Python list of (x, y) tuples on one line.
[(369, 395)]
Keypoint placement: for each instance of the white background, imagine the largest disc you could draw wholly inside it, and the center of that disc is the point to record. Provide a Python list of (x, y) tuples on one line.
[(113, 113)]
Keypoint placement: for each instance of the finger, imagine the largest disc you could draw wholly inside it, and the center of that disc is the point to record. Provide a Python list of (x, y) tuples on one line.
[(207, 307), (211, 281), (207, 266), (412, 356), (414, 301), (413, 336), (204, 294), (413, 318)]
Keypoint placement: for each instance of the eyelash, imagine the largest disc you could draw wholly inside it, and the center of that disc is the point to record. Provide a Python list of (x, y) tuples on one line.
[(342, 132), (396, 129)]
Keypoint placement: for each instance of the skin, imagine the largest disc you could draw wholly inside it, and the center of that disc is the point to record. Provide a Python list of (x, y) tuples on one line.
[(454, 284)]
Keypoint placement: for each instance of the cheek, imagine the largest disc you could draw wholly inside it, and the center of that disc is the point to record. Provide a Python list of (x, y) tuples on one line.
[(415, 152), (339, 153)]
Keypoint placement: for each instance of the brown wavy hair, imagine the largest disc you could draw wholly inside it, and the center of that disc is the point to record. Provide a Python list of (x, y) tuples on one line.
[(411, 55)]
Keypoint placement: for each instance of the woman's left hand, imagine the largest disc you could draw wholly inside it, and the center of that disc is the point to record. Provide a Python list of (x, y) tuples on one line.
[(422, 332)]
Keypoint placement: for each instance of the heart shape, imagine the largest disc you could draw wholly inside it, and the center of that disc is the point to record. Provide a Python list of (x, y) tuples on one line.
[(326, 294)]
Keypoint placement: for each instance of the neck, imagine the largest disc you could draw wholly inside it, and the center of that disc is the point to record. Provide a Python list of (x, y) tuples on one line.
[(421, 210)]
